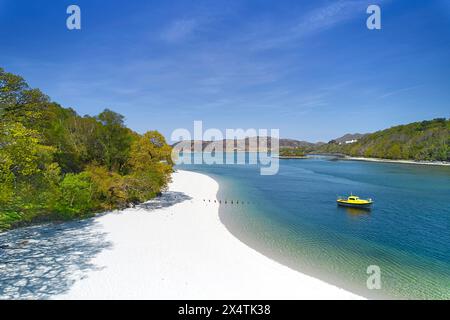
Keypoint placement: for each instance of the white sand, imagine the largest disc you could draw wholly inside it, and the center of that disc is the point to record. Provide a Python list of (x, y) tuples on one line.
[(429, 163), (184, 252)]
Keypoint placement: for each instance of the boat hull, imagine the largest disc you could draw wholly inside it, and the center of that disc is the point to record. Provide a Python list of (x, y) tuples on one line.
[(355, 205)]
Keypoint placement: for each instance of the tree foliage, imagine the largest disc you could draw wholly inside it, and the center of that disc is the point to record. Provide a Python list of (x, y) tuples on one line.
[(292, 152), (55, 164)]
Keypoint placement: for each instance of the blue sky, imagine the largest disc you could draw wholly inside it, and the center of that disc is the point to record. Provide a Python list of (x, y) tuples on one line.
[(310, 68)]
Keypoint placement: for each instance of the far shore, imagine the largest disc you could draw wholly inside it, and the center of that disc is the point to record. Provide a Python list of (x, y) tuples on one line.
[(341, 156), (292, 157), (344, 157), (430, 163)]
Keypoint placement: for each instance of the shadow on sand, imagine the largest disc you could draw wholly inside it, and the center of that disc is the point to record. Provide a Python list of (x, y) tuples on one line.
[(41, 261), (168, 199)]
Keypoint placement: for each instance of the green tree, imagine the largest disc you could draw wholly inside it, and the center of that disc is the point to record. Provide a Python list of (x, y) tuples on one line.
[(76, 192), (55, 164), (395, 152), (115, 140), (11, 88), (151, 167), (109, 190)]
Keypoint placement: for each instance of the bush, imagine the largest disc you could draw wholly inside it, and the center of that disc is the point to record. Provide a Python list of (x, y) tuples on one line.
[(75, 195), (108, 187), (8, 219)]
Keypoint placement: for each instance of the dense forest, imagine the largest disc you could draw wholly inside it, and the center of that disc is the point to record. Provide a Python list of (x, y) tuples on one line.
[(57, 165), (420, 141)]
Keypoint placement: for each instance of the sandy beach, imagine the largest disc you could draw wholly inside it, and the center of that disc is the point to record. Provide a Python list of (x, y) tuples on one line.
[(182, 251), (174, 247)]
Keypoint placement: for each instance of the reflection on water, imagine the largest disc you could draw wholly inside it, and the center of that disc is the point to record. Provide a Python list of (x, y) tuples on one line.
[(356, 211)]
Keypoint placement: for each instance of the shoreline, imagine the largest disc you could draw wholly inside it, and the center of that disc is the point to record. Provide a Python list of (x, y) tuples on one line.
[(247, 240), (428, 163), (173, 247), (400, 161), (291, 157)]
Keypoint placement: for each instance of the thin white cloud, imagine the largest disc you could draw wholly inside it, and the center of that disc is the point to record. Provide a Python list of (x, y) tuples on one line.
[(317, 20), (398, 91), (328, 16), (179, 30)]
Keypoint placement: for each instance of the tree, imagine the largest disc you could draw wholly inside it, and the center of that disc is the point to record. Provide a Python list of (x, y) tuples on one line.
[(11, 88), (150, 165), (55, 164), (76, 192), (21, 148), (115, 140), (394, 152), (149, 149), (108, 187)]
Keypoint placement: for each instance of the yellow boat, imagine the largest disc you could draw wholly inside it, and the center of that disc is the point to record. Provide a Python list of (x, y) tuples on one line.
[(354, 202)]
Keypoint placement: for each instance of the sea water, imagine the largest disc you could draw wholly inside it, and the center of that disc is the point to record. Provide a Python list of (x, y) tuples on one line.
[(292, 217)]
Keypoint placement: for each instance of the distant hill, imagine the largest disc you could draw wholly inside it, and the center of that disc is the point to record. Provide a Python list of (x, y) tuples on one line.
[(291, 143), (349, 138), (250, 144), (421, 141)]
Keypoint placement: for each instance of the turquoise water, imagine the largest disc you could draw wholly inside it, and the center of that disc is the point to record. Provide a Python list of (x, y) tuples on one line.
[(292, 217)]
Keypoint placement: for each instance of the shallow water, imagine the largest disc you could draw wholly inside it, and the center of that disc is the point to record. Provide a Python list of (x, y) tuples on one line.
[(293, 218)]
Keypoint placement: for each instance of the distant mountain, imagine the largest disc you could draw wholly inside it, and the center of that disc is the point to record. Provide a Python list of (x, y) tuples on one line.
[(248, 144), (421, 141), (291, 143), (251, 144), (426, 140)]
